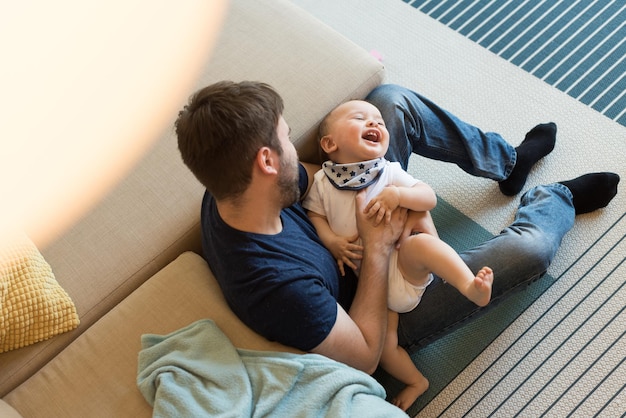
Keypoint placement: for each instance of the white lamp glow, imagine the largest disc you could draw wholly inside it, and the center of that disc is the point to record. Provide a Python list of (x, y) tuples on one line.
[(85, 87)]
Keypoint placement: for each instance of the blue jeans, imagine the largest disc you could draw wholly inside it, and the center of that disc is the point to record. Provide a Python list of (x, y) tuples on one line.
[(521, 253)]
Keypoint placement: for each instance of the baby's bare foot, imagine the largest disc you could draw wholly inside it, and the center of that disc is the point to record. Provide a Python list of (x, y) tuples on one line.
[(481, 294), (410, 393)]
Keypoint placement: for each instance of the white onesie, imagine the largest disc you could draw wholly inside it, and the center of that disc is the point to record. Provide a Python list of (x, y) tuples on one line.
[(338, 206)]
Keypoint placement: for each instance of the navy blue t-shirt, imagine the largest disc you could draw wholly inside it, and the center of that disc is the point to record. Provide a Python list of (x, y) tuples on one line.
[(284, 286)]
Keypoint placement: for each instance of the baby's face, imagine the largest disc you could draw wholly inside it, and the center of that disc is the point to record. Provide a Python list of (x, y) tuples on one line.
[(358, 132)]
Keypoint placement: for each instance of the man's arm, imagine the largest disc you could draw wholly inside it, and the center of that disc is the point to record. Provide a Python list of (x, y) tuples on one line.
[(358, 335)]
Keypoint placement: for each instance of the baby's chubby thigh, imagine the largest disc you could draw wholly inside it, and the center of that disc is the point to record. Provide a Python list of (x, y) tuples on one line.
[(413, 258)]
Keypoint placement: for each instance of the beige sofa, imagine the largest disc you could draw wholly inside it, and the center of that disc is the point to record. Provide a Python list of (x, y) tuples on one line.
[(131, 265)]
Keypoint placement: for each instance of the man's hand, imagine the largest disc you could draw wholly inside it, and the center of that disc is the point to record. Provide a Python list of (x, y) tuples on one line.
[(385, 234)]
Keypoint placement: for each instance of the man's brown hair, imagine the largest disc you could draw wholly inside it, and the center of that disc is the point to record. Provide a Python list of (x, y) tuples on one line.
[(221, 130)]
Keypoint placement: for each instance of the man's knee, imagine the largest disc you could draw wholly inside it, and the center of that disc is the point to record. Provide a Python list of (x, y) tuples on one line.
[(531, 250), (386, 94)]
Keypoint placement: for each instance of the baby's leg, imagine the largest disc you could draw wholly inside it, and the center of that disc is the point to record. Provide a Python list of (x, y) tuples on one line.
[(424, 252), (396, 361)]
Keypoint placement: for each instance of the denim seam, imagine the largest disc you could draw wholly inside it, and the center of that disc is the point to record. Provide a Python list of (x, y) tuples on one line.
[(510, 165), (565, 189)]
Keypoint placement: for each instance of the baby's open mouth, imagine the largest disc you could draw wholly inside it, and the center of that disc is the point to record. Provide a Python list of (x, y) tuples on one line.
[(372, 135)]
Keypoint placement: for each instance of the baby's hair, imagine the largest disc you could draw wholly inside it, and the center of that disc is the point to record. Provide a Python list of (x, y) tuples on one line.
[(322, 130)]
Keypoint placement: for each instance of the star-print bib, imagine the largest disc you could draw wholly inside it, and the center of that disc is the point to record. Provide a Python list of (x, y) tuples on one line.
[(354, 176)]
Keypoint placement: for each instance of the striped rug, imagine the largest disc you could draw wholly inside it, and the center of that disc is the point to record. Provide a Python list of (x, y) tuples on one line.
[(578, 46), (566, 357), (558, 348)]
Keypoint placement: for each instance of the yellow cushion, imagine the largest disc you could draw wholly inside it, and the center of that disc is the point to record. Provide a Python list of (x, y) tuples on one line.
[(33, 306)]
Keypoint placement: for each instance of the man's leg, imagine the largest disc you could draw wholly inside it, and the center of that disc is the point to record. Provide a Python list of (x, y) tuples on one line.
[(521, 253), (418, 125)]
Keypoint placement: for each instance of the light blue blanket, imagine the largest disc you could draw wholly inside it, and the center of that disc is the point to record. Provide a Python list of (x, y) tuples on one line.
[(197, 372)]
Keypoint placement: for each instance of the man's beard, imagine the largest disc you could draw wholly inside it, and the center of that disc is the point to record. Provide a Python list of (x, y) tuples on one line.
[(288, 183)]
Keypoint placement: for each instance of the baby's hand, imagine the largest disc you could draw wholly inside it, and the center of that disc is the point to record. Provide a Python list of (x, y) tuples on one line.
[(383, 204), (345, 250)]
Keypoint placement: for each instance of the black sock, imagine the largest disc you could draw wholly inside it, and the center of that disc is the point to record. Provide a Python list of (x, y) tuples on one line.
[(592, 191), (538, 143)]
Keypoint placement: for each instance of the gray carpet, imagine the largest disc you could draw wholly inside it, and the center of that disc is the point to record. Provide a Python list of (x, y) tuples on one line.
[(561, 348)]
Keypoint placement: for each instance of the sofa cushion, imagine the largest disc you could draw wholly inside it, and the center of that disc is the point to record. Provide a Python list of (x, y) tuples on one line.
[(152, 216), (33, 307), (97, 374)]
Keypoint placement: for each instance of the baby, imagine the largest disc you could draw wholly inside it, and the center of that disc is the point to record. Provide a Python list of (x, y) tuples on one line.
[(355, 139)]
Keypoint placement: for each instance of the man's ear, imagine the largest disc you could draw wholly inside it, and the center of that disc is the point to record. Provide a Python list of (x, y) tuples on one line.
[(327, 144), (267, 161)]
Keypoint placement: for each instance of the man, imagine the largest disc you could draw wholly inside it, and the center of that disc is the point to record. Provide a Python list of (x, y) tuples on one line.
[(276, 274)]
